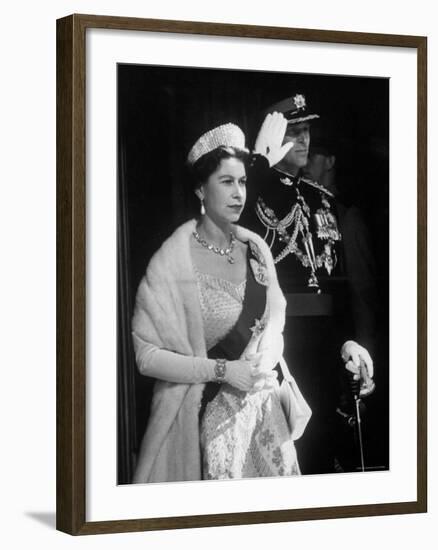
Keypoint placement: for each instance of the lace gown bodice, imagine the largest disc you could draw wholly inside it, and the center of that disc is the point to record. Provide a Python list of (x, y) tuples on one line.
[(221, 305)]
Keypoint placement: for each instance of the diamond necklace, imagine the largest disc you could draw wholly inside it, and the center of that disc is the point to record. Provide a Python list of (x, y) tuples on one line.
[(221, 251)]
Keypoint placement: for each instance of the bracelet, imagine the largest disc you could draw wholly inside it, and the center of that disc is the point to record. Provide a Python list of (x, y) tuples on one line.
[(220, 369)]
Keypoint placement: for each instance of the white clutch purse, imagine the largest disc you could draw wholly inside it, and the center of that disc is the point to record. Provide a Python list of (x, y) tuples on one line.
[(295, 407)]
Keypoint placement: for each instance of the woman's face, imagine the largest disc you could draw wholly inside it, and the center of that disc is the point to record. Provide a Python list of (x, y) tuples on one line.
[(224, 192)]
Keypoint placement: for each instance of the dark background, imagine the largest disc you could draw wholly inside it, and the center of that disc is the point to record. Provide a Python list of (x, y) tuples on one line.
[(161, 113)]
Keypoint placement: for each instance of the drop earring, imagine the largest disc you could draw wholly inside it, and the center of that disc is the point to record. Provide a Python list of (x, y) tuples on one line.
[(202, 208)]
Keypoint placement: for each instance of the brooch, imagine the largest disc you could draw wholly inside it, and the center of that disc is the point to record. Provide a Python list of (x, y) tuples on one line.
[(259, 327), (259, 272)]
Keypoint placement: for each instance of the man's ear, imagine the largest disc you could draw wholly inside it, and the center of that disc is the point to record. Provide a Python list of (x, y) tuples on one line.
[(330, 162)]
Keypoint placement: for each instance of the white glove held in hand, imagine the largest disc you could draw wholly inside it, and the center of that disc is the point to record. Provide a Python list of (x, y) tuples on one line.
[(353, 355), (242, 374)]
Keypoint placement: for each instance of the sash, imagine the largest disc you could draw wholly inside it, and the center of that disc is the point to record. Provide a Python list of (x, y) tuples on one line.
[(234, 343)]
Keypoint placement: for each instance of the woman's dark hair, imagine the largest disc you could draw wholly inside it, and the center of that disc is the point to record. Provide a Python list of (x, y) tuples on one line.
[(208, 163)]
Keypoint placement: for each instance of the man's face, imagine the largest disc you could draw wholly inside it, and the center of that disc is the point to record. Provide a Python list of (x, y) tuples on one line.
[(299, 135)]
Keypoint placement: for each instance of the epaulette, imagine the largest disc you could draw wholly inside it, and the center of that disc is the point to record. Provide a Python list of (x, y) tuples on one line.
[(316, 185), (291, 180)]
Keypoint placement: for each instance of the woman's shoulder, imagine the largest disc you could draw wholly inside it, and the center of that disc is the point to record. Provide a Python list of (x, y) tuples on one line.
[(180, 236), (257, 245), (174, 250), (256, 253)]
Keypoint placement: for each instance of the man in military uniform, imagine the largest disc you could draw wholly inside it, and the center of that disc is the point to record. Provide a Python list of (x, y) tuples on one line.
[(329, 163), (297, 218)]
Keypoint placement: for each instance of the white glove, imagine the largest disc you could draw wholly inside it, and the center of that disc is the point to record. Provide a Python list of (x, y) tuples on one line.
[(353, 355), (269, 142), (244, 374)]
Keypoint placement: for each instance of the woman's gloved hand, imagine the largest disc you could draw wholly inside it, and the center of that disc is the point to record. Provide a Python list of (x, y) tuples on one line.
[(246, 374)]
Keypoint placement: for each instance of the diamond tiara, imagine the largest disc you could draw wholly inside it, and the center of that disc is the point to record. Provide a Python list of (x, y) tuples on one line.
[(228, 135)]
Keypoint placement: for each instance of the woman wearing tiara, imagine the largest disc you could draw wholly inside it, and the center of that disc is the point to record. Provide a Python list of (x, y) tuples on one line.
[(208, 327)]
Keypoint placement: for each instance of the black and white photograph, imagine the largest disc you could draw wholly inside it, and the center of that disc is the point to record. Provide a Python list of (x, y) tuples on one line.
[(252, 274), (217, 295)]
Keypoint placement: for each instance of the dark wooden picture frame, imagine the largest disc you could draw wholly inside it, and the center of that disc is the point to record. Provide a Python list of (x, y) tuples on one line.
[(71, 273)]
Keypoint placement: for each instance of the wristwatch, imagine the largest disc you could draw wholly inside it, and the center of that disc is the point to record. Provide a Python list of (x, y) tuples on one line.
[(220, 369)]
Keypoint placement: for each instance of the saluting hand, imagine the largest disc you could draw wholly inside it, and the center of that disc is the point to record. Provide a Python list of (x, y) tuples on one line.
[(269, 142)]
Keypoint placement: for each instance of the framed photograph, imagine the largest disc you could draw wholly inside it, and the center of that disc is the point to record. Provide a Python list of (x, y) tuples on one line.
[(241, 274)]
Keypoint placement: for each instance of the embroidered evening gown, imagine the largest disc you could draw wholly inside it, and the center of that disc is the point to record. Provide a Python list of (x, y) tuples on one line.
[(243, 434)]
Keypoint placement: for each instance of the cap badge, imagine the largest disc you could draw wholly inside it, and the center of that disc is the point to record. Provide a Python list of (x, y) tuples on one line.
[(299, 101)]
